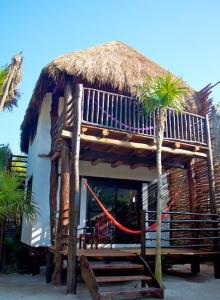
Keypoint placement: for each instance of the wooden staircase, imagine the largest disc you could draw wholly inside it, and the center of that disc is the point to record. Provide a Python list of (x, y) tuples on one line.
[(127, 277)]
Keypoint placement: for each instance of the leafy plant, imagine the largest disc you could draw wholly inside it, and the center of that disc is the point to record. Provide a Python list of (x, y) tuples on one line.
[(10, 76), (5, 152), (14, 200), (158, 94), (3, 76)]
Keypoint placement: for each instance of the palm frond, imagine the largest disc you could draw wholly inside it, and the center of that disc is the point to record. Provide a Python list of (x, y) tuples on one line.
[(9, 94), (3, 76), (14, 200), (163, 92)]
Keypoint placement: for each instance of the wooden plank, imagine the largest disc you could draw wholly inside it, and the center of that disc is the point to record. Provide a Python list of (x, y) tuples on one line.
[(132, 252), (116, 266), (134, 293), (104, 279)]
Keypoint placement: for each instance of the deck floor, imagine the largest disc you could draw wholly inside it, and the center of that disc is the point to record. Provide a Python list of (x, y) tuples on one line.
[(123, 252)]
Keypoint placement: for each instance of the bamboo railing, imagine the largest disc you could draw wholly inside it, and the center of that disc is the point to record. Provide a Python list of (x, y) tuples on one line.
[(118, 112)]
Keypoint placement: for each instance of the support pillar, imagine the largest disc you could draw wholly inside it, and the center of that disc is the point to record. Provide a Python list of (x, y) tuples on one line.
[(211, 174), (213, 207), (74, 190), (62, 227), (53, 171)]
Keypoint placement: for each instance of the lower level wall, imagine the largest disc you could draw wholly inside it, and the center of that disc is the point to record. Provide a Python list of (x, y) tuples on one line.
[(38, 233)]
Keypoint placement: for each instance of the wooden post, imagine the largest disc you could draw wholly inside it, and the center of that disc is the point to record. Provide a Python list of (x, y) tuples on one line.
[(213, 208), (191, 183), (53, 171), (53, 198), (62, 228), (74, 190), (143, 232), (211, 174)]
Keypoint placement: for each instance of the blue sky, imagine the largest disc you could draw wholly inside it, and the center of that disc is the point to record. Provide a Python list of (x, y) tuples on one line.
[(182, 36)]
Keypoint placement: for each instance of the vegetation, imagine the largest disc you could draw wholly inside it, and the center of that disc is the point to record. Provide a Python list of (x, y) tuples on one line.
[(14, 200), (158, 94), (5, 152), (10, 76)]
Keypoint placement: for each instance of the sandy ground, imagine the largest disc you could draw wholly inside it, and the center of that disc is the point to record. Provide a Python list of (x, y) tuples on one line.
[(179, 286)]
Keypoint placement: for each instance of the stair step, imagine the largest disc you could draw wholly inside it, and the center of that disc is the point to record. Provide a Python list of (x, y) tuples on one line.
[(116, 266), (139, 292), (103, 279)]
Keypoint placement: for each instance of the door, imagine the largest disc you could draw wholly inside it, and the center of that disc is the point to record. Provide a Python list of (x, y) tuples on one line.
[(122, 198)]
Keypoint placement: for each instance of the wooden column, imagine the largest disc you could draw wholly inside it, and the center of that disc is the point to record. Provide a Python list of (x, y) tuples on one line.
[(211, 174), (195, 263), (62, 227), (74, 190), (53, 198), (191, 182), (213, 206), (53, 170)]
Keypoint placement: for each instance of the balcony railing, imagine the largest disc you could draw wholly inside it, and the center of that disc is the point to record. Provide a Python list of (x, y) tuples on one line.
[(118, 112), (183, 229)]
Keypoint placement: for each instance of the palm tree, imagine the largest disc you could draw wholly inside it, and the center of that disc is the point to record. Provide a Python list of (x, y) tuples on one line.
[(5, 153), (10, 76), (158, 94), (14, 200)]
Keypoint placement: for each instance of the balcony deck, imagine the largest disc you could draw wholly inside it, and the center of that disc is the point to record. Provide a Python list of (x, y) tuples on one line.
[(113, 120)]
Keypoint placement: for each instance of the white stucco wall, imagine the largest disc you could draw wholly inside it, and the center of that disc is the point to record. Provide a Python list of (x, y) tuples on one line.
[(38, 233), (105, 170)]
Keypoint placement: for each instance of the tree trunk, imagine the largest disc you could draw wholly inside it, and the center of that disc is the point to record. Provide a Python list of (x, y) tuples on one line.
[(160, 123)]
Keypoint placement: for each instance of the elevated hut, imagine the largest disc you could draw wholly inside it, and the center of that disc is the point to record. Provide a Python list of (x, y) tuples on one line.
[(88, 140)]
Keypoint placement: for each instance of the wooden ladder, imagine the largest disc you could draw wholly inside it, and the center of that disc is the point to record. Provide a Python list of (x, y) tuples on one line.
[(126, 277)]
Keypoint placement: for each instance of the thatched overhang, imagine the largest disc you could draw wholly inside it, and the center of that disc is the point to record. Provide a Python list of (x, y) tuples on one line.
[(112, 66)]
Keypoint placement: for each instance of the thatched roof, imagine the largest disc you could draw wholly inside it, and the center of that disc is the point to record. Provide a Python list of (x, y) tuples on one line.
[(114, 65)]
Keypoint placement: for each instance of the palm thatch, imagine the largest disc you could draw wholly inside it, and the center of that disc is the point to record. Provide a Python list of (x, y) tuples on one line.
[(112, 66), (9, 93)]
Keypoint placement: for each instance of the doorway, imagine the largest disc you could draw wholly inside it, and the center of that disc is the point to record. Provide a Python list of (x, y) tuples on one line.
[(122, 198)]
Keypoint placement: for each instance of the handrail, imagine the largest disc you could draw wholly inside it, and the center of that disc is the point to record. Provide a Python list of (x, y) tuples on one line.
[(183, 229), (124, 113)]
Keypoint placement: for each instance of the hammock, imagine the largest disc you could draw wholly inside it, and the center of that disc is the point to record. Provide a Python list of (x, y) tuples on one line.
[(119, 225), (110, 116)]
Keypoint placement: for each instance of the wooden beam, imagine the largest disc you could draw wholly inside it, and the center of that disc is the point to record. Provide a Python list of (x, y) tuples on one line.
[(117, 163), (74, 190), (127, 137), (177, 145), (97, 161), (137, 165), (105, 132), (126, 159), (44, 155), (84, 130), (134, 145), (55, 155)]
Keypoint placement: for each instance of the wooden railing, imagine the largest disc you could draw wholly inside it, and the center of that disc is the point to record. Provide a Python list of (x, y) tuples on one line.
[(183, 229), (114, 111), (18, 165)]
